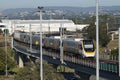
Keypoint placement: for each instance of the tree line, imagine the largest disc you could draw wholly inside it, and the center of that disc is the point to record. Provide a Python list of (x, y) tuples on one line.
[(106, 23)]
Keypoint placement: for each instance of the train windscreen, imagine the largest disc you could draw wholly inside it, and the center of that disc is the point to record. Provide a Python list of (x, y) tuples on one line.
[(88, 45)]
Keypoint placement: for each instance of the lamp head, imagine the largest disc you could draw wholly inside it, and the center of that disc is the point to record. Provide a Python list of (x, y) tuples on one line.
[(40, 7)]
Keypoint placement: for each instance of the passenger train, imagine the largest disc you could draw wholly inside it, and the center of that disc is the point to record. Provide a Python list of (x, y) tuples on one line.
[(85, 48)]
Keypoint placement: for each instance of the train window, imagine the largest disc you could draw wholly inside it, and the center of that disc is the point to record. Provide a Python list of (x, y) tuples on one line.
[(24, 36), (58, 43), (87, 42), (88, 46), (62, 44), (70, 43)]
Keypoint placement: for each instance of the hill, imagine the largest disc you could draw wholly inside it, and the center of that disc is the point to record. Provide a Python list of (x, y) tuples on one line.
[(58, 11)]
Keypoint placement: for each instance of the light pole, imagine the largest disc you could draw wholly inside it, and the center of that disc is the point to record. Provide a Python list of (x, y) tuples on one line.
[(41, 62), (49, 22), (107, 25), (6, 57), (63, 27), (30, 38), (5, 33), (97, 42), (119, 52), (5, 47), (61, 42), (61, 45)]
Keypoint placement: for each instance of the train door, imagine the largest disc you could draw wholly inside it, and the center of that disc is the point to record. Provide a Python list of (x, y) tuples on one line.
[(80, 49)]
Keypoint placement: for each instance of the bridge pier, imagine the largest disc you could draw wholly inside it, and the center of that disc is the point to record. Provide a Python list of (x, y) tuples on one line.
[(32, 59), (21, 64), (16, 57), (22, 59), (19, 59)]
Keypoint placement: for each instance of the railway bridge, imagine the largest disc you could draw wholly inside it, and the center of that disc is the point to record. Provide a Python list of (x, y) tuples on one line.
[(108, 69)]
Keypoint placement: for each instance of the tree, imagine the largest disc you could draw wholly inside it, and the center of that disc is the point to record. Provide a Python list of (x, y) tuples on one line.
[(51, 74), (11, 62), (6, 31), (91, 32), (77, 20), (31, 72), (2, 60), (1, 31), (104, 37)]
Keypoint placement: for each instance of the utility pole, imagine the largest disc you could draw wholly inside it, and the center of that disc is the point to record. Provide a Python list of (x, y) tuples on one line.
[(97, 41), (119, 52), (6, 59), (5, 48), (61, 44), (61, 41), (30, 38), (107, 27), (41, 61)]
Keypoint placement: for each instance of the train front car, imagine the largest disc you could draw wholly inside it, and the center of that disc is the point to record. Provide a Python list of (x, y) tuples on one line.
[(88, 48)]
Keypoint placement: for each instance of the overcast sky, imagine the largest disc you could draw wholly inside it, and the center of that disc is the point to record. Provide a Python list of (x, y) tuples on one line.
[(5, 4)]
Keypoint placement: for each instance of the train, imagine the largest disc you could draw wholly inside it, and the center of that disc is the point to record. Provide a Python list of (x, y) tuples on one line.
[(84, 47)]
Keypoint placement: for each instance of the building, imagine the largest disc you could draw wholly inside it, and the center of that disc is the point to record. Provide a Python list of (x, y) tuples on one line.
[(47, 25)]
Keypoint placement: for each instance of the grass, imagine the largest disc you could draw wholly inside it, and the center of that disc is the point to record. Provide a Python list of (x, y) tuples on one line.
[(10, 77), (61, 68), (113, 44)]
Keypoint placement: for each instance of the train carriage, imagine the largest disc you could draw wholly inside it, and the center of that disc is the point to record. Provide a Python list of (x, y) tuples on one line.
[(82, 47), (52, 43), (35, 39), (69, 46)]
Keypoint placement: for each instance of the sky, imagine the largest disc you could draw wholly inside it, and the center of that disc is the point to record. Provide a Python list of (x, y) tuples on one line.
[(6, 4)]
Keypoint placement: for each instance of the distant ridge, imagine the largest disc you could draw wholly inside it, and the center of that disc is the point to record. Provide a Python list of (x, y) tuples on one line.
[(58, 11), (13, 10), (16, 10)]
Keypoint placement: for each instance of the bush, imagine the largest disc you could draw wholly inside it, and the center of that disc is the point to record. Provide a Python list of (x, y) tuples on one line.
[(31, 72)]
